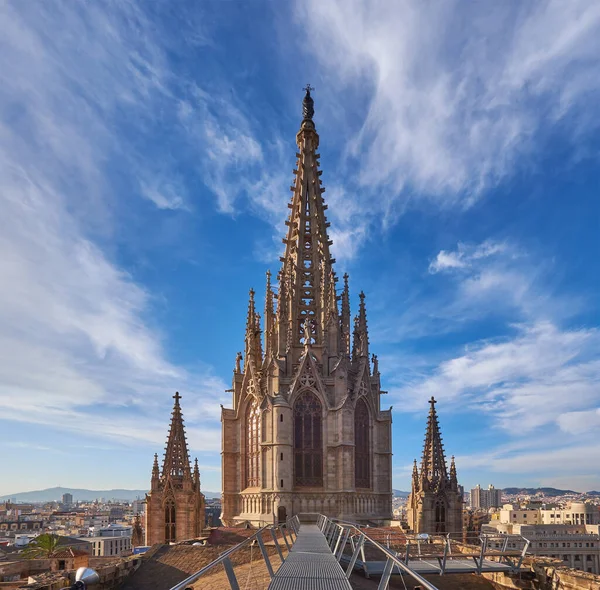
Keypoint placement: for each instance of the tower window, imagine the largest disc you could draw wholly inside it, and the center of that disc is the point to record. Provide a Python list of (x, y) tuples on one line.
[(308, 441), (281, 456), (281, 417), (170, 521), (362, 466), (440, 516)]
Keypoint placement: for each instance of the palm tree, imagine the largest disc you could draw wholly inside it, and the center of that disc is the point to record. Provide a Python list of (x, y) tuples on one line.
[(43, 547)]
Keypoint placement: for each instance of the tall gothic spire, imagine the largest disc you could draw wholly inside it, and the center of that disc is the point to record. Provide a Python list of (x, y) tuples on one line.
[(176, 465), (307, 271), (433, 464)]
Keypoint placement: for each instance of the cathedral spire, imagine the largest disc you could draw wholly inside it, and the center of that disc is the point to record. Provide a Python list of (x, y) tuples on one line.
[(433, 465), (415, 477), (307, 263), (176, 465)]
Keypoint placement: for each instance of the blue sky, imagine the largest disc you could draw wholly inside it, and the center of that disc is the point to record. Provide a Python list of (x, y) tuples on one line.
[(146, 154)]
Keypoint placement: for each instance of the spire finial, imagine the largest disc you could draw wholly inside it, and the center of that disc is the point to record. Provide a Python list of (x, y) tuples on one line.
[(308, 104), (177, 397)]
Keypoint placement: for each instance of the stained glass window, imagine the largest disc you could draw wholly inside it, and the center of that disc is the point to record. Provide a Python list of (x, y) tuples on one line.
[(362, 464), (252, 445), (308, 441)]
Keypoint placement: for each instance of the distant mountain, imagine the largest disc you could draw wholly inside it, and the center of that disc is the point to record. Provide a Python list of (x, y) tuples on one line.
[(593, 493), (400, 494), (532, 491), (55, 495)]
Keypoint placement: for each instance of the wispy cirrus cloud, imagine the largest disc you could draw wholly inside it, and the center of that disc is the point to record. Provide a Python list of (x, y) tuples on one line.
[(531, 378), (78, 347), (448, 109)]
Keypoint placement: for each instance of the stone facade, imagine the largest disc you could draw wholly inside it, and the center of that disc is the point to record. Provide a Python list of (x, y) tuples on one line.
[(306, 432), (435, 503), (175, 504)]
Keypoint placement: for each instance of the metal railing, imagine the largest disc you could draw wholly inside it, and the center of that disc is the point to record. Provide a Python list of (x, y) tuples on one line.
[(291, 526), (339, 533)]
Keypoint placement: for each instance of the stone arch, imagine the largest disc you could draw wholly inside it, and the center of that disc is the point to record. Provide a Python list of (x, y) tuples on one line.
[(308, 439)]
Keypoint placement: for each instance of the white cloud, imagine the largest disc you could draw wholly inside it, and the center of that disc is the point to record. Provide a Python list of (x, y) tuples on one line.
[(455, 91), (465, 255), (580, 422), (531, 380)]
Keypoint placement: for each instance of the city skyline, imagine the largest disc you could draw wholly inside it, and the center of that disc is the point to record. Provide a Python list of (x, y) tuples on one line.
[(145, 179)]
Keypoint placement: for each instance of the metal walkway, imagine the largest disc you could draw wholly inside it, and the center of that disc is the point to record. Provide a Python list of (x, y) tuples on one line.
[(310, 565), (316, 552)]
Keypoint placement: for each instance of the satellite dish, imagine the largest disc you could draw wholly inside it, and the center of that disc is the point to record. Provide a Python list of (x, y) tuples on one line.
[(87, 576)]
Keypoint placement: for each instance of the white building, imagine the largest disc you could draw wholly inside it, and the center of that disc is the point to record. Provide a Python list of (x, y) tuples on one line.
[(571, 534), (107, 546), (490, 498)]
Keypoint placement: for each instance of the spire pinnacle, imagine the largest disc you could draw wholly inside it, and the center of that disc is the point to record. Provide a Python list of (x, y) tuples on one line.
[(176, 465), (453, 476), (361, 333), (155, 471), (253, 339), (270, 343), (433, 465), (345, 317), (196, 474)]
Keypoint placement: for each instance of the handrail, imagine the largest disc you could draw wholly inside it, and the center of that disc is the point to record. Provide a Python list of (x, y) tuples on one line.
[(292, 525), (326, 523)]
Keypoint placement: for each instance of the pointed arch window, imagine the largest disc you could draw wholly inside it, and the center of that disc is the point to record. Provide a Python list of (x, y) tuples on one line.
[(440, 516), (252, 445), (308, 441), (362, 455), (170, 521)]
